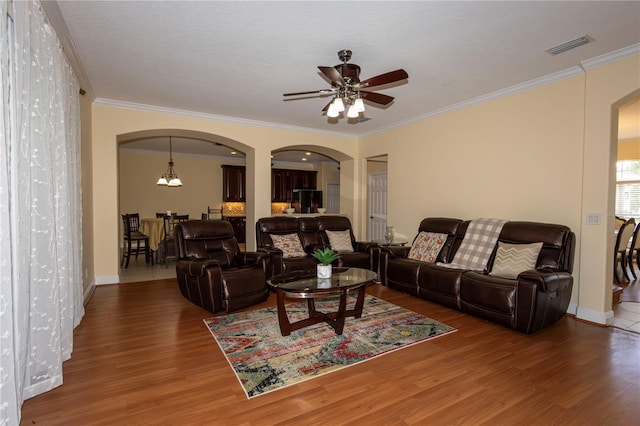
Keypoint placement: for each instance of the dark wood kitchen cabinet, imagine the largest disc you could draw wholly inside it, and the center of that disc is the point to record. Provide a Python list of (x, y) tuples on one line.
[(304, 179), (239, 225), (281, 185), (284, 181), (233, 183)]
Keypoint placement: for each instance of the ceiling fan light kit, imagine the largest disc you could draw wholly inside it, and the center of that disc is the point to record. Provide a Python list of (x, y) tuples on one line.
[(346, 88)]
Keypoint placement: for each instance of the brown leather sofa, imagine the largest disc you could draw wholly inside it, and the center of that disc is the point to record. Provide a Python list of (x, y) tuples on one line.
[(212, 271), (312, 234), (535, 299)]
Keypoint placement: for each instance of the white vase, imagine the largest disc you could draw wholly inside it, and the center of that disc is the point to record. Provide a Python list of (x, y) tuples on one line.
[(324, 282), (324, 271)]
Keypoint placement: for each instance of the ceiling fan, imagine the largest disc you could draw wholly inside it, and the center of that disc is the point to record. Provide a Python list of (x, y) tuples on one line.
[(347, 89)]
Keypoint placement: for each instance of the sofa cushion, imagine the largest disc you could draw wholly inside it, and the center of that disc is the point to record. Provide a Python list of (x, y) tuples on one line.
[(340, 241), (512, 259), (289, 244), (426, 246)]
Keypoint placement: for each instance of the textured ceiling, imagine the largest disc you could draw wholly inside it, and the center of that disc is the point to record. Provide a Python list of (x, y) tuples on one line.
[(236, 59)]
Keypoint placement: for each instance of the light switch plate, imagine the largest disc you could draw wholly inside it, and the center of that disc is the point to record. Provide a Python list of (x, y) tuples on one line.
[(594, 218)]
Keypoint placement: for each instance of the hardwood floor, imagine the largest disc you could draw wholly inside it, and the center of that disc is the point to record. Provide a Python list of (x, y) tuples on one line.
[(142, 356)]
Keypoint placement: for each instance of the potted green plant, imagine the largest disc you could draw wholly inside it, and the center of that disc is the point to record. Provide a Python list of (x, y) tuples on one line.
[(325, 256)]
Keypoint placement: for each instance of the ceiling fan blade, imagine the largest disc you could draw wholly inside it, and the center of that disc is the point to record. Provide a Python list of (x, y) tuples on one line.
[(386, 78), (326, 107), (378, 98), (322, 91), (333, 75)]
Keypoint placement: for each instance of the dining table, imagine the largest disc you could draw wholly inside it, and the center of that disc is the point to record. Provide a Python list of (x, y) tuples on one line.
[(153, 228)]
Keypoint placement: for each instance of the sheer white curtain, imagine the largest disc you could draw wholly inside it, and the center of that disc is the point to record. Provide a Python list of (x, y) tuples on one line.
[(40, 208)]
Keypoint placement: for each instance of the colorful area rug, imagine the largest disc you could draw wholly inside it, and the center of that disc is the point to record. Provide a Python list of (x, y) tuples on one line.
[(265, 361)]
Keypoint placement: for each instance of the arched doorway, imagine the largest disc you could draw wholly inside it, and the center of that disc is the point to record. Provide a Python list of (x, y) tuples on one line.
[(199, 160)]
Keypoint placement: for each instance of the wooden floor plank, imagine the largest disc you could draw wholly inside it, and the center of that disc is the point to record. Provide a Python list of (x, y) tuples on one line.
[(142, 355)]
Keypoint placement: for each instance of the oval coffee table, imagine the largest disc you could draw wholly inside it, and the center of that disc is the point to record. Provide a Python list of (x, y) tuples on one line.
[(306, 285)]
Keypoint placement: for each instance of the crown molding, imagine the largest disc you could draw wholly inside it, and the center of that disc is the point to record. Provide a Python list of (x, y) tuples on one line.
[(228, 119), (616, 55), (598, 61)]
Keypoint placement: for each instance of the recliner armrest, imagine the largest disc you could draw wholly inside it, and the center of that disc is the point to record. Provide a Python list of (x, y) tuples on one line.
[(253, 257), (195, 267)]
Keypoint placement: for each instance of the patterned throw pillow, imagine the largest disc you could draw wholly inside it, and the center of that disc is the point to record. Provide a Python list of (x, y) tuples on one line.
[(340, 241), (512, 259), (289, 244), (426, 246)]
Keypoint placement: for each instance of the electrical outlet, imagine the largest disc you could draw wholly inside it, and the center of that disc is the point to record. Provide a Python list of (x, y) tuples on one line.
[(594, 218)]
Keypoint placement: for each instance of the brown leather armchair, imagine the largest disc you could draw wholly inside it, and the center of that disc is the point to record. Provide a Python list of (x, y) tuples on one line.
[(212, 271)]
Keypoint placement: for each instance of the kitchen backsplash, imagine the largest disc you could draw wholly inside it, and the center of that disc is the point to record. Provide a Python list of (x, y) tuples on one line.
[(278, 208), (234, 209)]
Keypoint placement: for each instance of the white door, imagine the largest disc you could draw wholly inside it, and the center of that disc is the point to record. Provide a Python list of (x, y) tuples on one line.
[(333, 198), (377, 206)]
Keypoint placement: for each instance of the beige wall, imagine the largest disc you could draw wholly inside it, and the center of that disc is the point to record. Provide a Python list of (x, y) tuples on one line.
[(517, 157), (607, 88), (201, 177), (112, 125)]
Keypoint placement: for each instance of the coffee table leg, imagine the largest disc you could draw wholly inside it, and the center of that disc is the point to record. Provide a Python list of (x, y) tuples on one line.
[(359, 302), (311, 305), (283, 320), (338, 323)]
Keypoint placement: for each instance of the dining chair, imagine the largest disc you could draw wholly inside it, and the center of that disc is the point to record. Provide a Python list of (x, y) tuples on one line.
[(634, 251), (168, 245), (213, 214), (622, 244), (131, 234)]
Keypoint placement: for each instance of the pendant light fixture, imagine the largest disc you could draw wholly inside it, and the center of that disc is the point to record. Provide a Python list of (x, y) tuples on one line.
[(169, 178)]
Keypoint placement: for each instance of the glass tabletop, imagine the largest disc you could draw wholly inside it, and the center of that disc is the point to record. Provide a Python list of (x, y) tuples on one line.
[(309, 282)]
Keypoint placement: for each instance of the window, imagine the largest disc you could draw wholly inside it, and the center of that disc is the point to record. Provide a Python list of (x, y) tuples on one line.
[(628, 188)]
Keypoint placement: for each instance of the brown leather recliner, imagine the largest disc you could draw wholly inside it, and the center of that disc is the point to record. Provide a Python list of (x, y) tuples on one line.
[(312, 234), (212, 271)]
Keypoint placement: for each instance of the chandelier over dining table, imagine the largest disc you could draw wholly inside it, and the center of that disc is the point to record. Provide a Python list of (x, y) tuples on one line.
[(169, 177)]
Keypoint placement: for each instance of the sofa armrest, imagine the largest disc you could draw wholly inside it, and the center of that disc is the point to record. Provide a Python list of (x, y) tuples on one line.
[(548, 280), (395, 251), (543, 296), (364, 246)]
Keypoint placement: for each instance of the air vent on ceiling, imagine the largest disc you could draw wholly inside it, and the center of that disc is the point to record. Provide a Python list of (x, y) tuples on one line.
[(568, 45)]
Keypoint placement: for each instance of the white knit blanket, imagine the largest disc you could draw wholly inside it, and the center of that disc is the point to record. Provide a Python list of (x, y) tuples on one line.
[(478, 243)]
